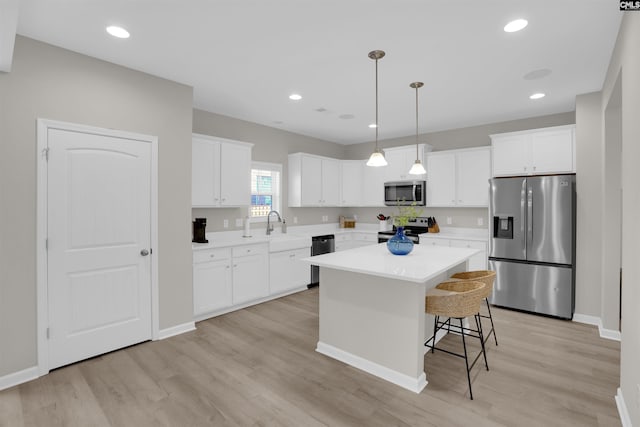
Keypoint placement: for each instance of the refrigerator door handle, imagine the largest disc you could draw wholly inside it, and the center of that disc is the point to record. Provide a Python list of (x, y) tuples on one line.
[(529, 214), (523, 194)]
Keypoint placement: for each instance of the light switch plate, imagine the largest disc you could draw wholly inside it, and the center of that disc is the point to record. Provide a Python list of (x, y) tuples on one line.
[(225, 223), (238, 222), (448, 220), (480, 221)]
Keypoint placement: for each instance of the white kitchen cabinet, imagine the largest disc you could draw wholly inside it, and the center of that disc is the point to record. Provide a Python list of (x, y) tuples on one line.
[(400, 160), (352, 181), (313, 180), (220, 172), (287, 272), (479, 260), (373, 180), (459, 177), (250, 272), (212, 281), (476, 262), (533, 152)]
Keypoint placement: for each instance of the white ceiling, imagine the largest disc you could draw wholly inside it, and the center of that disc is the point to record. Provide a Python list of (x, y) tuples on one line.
[(244, 57)]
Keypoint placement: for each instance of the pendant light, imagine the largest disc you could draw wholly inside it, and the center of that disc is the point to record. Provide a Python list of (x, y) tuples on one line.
[(417, 168), (377, 158)]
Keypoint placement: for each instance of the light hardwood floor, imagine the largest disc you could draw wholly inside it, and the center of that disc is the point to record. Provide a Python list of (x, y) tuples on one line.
[(258, 367)]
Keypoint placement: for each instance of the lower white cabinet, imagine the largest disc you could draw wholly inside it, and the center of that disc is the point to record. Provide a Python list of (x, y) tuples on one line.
[(212, 282), (476, 262), (287, 272), (250, 273), (355, 239)]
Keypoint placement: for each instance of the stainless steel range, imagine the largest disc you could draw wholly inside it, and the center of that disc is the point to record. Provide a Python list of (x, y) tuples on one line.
[(417, 226)]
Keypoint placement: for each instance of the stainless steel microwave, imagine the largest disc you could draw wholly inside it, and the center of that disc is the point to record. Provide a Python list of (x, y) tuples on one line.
[(405, 193)]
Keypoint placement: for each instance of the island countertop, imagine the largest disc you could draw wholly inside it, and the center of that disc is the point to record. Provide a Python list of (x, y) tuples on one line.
[(422, 264)]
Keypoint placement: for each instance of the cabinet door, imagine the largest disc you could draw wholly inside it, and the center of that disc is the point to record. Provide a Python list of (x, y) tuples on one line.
[(396, 169), (373, 186), (552, 151), (330, 182), (287, 272), (351, 174), (441, 179), (479, 260), (212, 289), (311, 171), (250, 278), (235, 175), (205, 173), (511, 155), (473, 170)]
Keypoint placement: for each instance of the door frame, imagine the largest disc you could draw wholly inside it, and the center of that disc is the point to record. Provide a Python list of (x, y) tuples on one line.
[(42, 314)]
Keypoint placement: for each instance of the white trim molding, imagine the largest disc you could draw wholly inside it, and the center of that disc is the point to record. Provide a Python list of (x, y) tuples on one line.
[(405, 381), (176, 330), (19, 377), (609, 334), (622, 410)]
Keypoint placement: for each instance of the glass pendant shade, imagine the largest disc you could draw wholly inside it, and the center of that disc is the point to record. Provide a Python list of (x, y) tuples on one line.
[(417, 168), (377, 159)]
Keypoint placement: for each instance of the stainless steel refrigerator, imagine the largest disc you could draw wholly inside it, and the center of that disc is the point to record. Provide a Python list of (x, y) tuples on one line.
[(532, 244)]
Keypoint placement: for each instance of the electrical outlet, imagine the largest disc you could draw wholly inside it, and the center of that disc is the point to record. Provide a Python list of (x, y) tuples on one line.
[(238, 222), (448, 220), (295, 219), (480, 220), (325, 218), (225, 223), (355, 217)]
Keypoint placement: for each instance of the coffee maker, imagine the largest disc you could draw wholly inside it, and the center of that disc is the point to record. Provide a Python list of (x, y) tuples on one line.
[(199, 235)]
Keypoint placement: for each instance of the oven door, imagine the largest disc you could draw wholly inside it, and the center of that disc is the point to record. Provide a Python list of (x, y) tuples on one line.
[(405, 193)]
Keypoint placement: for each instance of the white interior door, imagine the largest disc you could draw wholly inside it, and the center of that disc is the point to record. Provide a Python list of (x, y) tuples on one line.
[(99, 236)]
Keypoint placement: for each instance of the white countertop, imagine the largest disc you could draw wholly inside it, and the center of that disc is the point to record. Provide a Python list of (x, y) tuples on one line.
[(459, 233), (423, 263)]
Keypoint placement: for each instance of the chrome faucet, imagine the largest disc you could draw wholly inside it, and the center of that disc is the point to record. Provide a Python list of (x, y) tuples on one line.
[(269, 224)]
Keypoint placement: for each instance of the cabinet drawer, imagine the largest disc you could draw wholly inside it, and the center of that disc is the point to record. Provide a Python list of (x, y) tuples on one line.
[(366, 237), (240, 251), (342, 237), (210, 255), (434, 242), (473, 244)]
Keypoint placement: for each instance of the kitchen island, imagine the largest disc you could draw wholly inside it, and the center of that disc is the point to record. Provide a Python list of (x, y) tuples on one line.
[(372, 307)]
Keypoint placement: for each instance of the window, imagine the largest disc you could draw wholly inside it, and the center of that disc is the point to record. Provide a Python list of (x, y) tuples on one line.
[(265, 189)]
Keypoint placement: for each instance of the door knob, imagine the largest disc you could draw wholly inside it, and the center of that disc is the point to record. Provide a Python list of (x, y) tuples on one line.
[(144, 252)]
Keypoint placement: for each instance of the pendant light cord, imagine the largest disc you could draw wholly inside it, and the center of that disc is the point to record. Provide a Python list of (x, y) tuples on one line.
[(376, 104), (417, 122)]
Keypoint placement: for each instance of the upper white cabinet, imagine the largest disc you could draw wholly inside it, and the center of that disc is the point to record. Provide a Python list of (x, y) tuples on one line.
[(221, 172), (459, 177), (352, 178), (533, 152), (400, 160), (313, 180)]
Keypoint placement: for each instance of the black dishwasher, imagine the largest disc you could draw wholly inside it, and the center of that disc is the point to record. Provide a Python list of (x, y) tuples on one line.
[(320, 245)]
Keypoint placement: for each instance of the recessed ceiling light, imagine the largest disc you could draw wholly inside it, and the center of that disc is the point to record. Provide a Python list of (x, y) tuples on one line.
[(373, 126), (118, 32), (346, 116), (295, 97), (516, 25), (537, 74), (537, 96)]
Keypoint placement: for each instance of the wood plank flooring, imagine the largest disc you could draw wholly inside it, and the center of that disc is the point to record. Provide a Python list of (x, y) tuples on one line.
[(258, 367)]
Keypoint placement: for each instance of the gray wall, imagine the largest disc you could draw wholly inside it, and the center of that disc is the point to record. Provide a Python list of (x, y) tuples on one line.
[(589, 204), (625, 61), (48, 82), (271, 145)]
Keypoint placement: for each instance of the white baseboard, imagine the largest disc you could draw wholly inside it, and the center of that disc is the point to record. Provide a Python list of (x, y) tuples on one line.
[(405, 381), (622, 410), (609, 334), (19, 377), (176, 330)]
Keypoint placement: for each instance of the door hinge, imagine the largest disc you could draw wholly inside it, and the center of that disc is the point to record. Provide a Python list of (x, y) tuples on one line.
[(45, 153), (151, 250), (48, 333), (46, 243)]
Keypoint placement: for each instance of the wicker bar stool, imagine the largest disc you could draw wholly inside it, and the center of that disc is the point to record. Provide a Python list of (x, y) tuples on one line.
[(487, 277), (457, 299)]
